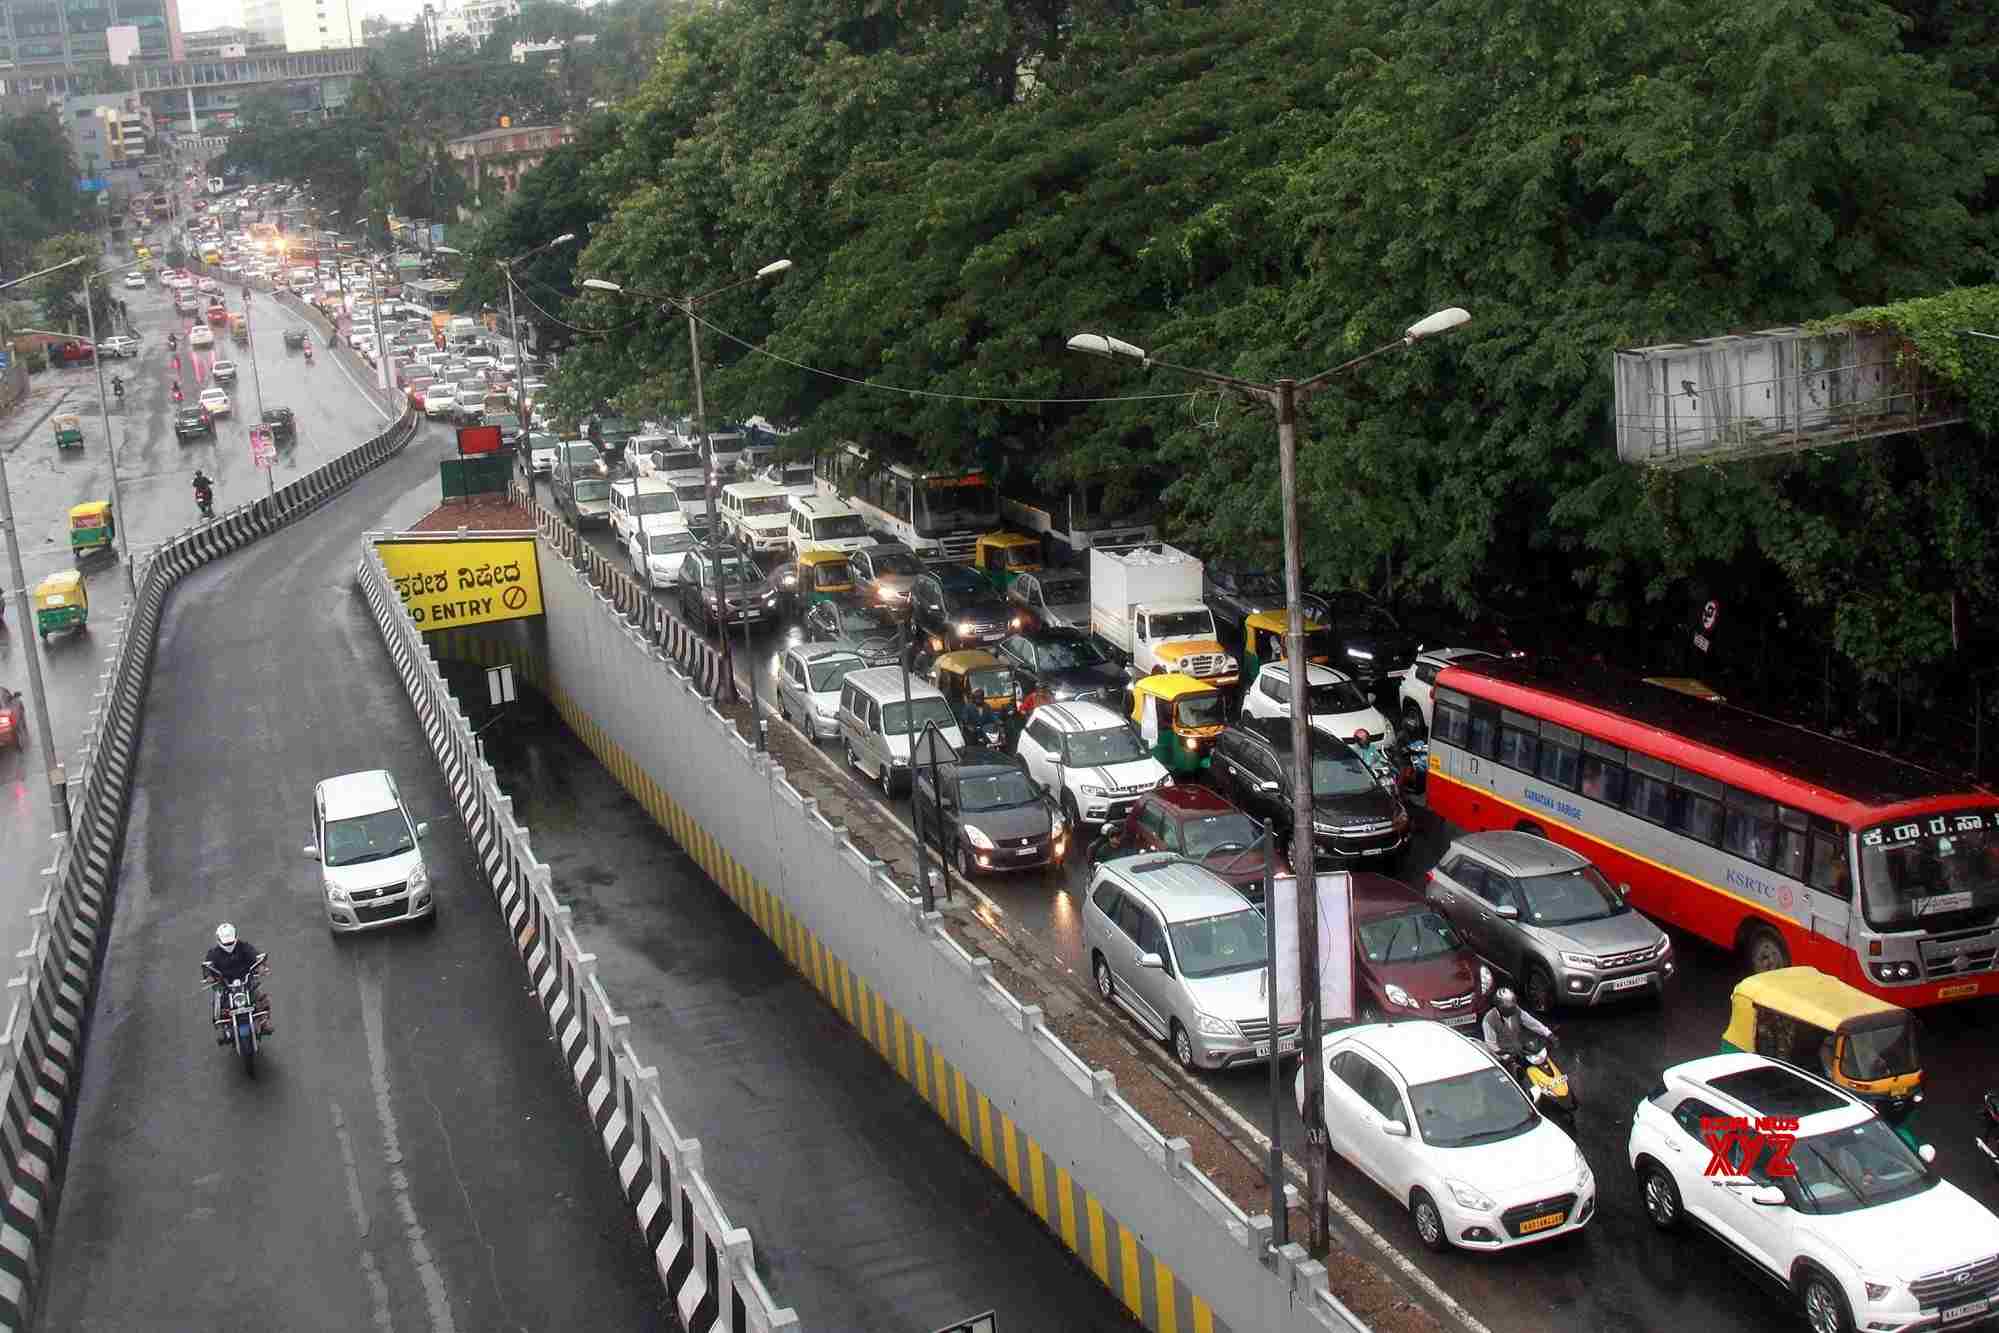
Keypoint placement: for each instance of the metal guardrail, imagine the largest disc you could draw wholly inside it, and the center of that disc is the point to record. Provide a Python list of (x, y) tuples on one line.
[(48, 1019)]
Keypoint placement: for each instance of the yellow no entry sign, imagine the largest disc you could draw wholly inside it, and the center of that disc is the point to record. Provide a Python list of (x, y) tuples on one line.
[(455, 582)]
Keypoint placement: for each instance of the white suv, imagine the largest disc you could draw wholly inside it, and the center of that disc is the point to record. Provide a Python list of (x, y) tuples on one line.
[(1419, 679), (1856, 1226), (1089, 759)]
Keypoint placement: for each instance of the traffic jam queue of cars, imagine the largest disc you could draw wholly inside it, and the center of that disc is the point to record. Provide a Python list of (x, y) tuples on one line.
[(1146, 693)]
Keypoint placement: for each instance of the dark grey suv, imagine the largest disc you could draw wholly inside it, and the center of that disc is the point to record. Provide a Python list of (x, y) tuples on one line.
[(719, 586), (988, 814), (1353, 814)]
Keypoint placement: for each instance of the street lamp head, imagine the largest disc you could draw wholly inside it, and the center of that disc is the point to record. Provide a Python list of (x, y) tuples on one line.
[(773, 268), (1098, 344), (601, 285), (445, 250), (1441, 322), (564, 239)]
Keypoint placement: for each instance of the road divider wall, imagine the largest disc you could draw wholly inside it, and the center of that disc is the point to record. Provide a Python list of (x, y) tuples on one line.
[(1128, 1201), (49, 1004), (707, 1265)]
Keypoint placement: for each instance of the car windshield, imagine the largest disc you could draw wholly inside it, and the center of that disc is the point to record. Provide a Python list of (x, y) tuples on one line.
[(1259, 587), (826, 674), (838, 527), (932, 709), (1064, 592), (1339, 696), (1570, 896), (1112, 745), (349, 842), (997, 791), (1860, 1167), (1341, 774), (1483, 1106), (735, 569), (763, 506), (1201, 710), (1214, 946), (592, 488), (504, 420), (1203, 834), (1407, 937), (1180, 625), (992, 682), (1068, 654), (1889, 1051), (654, 502), (1940, 872), (667, 543)]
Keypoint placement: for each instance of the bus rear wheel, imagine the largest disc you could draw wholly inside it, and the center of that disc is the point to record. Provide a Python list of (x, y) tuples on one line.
[(1763, 949)]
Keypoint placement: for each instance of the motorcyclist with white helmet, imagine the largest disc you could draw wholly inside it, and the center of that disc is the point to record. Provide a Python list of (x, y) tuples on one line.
[(228, 960), (1506, 1027)]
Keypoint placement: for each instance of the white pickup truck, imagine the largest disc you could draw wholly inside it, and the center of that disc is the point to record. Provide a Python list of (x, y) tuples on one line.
[(1146, 602)]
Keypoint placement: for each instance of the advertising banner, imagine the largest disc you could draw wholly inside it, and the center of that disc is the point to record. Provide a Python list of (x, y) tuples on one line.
[(1336, 1000)]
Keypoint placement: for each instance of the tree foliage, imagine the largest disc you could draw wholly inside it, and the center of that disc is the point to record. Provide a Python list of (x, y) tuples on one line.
[(61, 294), (38, 194)]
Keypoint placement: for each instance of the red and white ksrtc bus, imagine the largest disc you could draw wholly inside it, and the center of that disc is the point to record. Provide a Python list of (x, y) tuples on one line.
[(1780, 842)]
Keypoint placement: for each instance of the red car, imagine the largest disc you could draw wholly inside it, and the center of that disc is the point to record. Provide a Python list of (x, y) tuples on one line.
[(1409, 961), (13, 719), (1194, 821)]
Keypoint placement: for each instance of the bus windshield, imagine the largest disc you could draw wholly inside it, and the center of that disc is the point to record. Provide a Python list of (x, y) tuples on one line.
[(1924, 871), (952, 504)]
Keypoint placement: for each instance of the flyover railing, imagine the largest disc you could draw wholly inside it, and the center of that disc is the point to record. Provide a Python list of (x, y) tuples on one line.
[(49, 1002)]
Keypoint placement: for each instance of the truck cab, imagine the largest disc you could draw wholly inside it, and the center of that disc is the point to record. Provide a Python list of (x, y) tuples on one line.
[(1146, 602)]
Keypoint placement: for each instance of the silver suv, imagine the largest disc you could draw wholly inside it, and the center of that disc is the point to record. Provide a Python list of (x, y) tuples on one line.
[(1179, 950), (1548, 919)]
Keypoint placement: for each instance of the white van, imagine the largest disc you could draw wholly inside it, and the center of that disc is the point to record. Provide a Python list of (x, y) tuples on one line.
[(644, 504), (821, 523), (756, 514), (879, 728), (461, 329)]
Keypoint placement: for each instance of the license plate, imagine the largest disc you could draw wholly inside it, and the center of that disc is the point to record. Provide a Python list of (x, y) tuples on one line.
[(1957, 992), (1263, 1047), (1542, 1223), (1969, 1309), (1630, 983), (1023, 851)]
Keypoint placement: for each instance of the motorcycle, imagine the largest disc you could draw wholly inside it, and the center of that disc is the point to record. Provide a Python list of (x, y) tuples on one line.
[(118, 388), (243, 1012), (1547, 1087), (204, 500), (177, 393), (1988, 1137), (173, 343)]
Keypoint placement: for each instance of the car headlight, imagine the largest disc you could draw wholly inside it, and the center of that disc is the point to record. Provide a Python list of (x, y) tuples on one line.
[(1485, 979), (1584, 1178), (1469, 1197), (978, 838), (419, 878), (1877, 1291), (1165, 781), (1211, 1026), (1583, 960), (1318, 827), (1363, 655), (770, 599), (1087, 792), (1401, 821), (966, 629), (1665, 946), (336, 894), (1396, 995)]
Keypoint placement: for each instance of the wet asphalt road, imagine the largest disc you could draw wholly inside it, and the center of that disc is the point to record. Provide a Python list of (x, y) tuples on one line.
[(412, 1153), (154, 474), (1619, 1274)]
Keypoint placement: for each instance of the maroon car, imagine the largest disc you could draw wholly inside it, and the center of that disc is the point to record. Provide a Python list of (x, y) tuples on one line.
[(13, 718), (1194, 821), (1409, 962)]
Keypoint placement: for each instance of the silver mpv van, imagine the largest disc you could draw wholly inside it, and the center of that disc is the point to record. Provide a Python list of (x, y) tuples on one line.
[(1177, 948), (879, 729)]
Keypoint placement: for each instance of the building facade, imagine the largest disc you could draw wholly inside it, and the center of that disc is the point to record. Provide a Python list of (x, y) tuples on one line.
[(303, 25), (474, 20), (43, 42), (494, 161), (107, 133)]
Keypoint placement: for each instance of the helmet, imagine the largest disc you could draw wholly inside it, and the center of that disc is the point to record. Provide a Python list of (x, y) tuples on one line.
[(1506, 1000), (225, 935)]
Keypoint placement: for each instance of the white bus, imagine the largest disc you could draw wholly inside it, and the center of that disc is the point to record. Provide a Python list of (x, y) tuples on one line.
[(938, 515)]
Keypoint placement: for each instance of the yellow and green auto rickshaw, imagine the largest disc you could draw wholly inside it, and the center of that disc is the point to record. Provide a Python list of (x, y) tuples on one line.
[(91, 528), (971, 675), (239, 328), (69, 431), (1001, 555), (1179, 718), (62, 601), (1819, 1023), (823, 576), (1263, 641)]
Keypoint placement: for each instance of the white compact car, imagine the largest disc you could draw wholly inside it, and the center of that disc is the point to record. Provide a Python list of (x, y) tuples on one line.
[(201, 336), (656, 554), (808, 686), (216, 401), (1339, 707), (371, 870), (1091, 760), (1421, 677), (1429, 1115), (1851, 1221)]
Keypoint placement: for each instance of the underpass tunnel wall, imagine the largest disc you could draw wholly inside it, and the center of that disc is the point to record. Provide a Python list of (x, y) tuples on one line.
[(1127, 1202)]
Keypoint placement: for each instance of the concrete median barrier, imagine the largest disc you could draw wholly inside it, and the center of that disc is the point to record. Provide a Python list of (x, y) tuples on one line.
[(48, 1018)]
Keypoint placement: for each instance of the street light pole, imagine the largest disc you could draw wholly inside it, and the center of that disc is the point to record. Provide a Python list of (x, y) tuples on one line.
[(110, 450), (257, 387), (1283, 397)]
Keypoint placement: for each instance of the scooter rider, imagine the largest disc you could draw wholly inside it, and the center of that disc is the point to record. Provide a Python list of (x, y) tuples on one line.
[(1506, 1026), (204, 489), (229, 960)]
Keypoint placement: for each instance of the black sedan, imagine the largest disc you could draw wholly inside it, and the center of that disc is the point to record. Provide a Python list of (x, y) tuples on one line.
[(987, 814), (870, 631), (192, 420), (1065, 663), (284, 427)]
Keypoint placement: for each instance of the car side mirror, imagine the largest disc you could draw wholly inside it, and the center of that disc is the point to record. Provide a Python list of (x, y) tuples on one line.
[(422, 829), (312, 850), (1768, 1196), (1623, 892), (1506, 912), (1395, 1129), (1152, 960)]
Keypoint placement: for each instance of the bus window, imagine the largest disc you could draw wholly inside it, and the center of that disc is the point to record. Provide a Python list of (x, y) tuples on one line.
[(1791, 842), (1651, 785), (1519, 740), (1451, 723), (1603, 772), (1560, 755), (1750, 828), (1829, 873), (1693, 807), (1483, 737)]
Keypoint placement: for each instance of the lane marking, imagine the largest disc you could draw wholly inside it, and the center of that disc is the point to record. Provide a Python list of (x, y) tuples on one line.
[(378, 1290), (435, 1296)]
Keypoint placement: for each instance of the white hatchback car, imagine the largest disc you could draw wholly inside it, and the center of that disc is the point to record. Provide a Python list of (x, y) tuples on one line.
[(1429, 1115), (656, 554), (200, 336), (808, 686), (371, 870), (1339, 708), (1419, 679), (1856, 1226), (216, 401)]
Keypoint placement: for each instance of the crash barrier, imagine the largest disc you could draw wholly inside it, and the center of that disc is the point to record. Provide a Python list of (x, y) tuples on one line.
[(1124, 1198), (707, 1265), (48, 1021), (687, 647)]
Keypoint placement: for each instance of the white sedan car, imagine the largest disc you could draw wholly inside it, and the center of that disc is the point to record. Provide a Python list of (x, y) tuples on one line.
[(1430, 1116), (657, 554), (1338, 706), (216, 401), (223, 372), (201, 336), (135, 280)]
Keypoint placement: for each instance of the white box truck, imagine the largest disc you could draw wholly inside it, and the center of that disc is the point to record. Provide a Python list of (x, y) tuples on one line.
[(1146, 602)]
